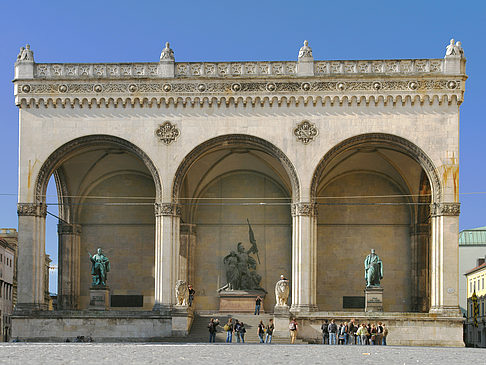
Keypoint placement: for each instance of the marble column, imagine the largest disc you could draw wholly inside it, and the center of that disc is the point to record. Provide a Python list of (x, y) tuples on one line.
[(31, 256), (69, 265), (304, 257), (167, 221), (444, 259)]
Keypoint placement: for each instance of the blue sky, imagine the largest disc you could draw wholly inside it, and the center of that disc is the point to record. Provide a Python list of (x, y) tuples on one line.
[(119, 31)]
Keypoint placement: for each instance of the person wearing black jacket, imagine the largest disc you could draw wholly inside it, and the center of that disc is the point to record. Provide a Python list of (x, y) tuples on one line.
[(213, 324), (325, 332), (332, 329)]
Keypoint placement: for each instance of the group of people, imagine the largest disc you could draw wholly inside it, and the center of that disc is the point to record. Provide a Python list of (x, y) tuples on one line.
[(352, 333), (237, 328)]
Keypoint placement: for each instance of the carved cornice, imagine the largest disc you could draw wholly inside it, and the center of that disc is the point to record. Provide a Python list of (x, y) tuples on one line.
[(153, 93), (32, 209), (304, 209), (447, 209), (168, 209), (69, 229)]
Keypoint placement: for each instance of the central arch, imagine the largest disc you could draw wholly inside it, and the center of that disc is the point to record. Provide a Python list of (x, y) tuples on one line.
[(234, 140)]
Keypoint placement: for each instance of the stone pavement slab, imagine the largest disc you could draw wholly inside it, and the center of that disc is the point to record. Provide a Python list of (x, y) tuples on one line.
[(128, 353)]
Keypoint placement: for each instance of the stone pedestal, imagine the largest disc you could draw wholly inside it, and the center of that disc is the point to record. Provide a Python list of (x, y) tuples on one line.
[(281, 320), (182, 318), (240, 301), (99, 298), (374, 299)]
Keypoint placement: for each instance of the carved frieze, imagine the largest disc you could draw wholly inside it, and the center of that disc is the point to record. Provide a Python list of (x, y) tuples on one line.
[(305, 132), (68, 229), (448, 209), (31, 209), (168, 209), (304, 209), (167, 132)]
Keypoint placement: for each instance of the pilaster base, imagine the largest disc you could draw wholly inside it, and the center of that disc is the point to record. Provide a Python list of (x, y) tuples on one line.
[(303, 309), (281, 320), (447, 311), (182, 318)]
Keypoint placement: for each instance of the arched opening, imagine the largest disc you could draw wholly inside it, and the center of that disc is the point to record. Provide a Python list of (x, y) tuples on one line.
[(374, 192), (220, 185), (106, 190)]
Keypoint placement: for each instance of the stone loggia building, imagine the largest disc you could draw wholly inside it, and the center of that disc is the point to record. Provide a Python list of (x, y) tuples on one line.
[(162, 163)]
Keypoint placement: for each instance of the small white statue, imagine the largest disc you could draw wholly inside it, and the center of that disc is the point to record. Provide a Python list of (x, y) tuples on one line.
[(25, 54), (182, 293), (454, 49), (282, 291), (305, 51), (167, 53)]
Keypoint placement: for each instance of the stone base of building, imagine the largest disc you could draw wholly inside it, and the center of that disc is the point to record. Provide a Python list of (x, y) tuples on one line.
[(101, 326), (239, 301), (405, 329)]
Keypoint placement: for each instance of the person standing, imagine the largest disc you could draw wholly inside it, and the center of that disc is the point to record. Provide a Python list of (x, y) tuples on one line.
[(270, 328), (228, 327), (332, 329), (192, 292), (379, 333), (325, 332), (373, 333), (258, 303), (242, 332), (293, 327), (213, 324), (363, 333), (237, 330), (261, 331), (351, 333), (385, 333)]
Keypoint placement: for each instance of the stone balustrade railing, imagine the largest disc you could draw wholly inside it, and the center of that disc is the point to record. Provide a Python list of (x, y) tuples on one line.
[(235, 69)]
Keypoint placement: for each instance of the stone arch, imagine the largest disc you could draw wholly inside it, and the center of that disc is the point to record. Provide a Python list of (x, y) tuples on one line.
[(401, 144), (63, 153), (231, 140)]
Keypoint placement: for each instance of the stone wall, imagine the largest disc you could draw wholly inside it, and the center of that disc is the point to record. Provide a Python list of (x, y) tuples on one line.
[(221, 227), (126, 234)]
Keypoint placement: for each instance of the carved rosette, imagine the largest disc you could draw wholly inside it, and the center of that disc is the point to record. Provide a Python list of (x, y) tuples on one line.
[(69, 229), (167, 132), (32, 209), (305, 132), (168, 209), (304, 209), (447, 209)]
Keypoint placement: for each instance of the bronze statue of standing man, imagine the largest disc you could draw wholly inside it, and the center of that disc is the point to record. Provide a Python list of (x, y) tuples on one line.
[(373, 270), (100, 266)]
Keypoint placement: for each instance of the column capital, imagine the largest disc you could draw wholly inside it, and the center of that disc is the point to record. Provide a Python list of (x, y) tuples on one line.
[(447, 209), (168, 209), (65, 228), (304, 209), (32, 209)]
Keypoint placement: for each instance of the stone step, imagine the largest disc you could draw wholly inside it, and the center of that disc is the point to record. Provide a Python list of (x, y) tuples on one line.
[(200, 334)]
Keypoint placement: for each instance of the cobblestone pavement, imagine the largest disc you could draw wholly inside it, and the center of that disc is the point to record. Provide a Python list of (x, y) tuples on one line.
[(109, 353)]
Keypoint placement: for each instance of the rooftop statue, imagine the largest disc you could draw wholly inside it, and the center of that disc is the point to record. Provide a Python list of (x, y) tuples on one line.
[(100, 266), (25, 54), (305, 51), (373, 270), (167, 53), (454, 49)]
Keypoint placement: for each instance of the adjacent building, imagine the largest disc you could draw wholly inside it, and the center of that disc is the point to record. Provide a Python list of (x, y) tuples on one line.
[(8, 249), (472, 246), (475, 330)]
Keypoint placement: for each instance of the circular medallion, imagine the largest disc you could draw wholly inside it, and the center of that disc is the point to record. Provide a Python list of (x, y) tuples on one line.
[(271, 86), (63, 88), (98, 88), (413, 85), (236, 87), (341, 86), (167, 88), (377, 85), (132, 88), (26, 88), (201, 87), (306, 86), (452, 84)]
